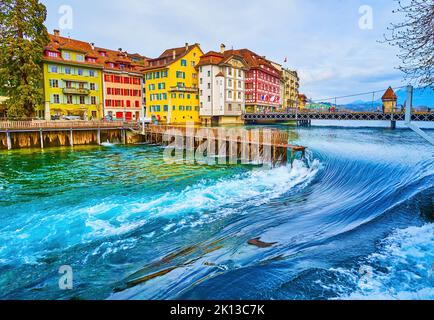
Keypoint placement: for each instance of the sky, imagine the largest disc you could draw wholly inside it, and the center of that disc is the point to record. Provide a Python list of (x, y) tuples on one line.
[(333, 44)]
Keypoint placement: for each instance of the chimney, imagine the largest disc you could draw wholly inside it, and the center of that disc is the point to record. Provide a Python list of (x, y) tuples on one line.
[(92, 45), (222, 48), (174, 54), (57, 32), (186, 46)]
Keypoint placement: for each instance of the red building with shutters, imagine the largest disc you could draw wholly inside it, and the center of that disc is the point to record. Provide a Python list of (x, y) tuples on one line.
[(122, 84), (262, 83)]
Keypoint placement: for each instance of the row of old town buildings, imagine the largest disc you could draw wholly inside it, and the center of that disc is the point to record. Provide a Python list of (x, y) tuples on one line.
[(182, 85)]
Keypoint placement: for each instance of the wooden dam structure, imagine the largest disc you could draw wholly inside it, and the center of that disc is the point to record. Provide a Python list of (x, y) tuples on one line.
[(233, 144)]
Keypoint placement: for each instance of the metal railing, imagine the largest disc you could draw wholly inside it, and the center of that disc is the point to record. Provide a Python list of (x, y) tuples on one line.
[(37, 124)]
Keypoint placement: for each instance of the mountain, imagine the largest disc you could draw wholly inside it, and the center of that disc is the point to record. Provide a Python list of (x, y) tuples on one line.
[(422, 98)]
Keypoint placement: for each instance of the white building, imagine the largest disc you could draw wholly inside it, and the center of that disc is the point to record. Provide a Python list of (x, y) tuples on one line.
[(222, 87)]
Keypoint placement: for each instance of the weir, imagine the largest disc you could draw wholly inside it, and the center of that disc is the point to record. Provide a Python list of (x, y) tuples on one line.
[(233, 144)]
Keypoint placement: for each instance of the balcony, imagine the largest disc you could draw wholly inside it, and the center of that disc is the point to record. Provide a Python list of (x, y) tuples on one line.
[(83, 92), (184, 89)]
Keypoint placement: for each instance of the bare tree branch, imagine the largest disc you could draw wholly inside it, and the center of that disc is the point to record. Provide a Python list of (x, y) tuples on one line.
[(415, 39)]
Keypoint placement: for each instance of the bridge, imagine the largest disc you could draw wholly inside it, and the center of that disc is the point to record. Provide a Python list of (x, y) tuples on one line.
[(346, 115)]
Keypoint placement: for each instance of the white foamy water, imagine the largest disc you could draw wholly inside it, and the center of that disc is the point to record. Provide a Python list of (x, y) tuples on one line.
[(402, 270)]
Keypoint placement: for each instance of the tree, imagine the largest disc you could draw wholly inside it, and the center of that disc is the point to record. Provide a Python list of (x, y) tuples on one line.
[(23, 37), (415, 39)]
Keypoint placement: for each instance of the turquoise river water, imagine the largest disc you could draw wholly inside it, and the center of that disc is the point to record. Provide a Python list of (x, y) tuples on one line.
[(354, 220)]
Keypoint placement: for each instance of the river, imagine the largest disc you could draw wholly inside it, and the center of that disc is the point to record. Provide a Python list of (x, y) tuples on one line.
[(352, 221)]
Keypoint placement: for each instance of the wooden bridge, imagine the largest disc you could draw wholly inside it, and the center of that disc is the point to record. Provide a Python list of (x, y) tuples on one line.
[(22, 134)]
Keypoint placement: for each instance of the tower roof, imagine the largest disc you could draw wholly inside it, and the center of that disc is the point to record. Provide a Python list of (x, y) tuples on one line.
[(389, 95)]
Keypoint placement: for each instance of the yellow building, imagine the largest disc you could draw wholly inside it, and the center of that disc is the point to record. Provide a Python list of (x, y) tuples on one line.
[(389, 101), (72, 80), (291, 86), (302, 101), (171, 83)]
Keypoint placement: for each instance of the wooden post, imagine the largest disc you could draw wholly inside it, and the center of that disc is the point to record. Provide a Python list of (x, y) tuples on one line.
[(124, 136), (41, 138), (8, 140), (71, 138), (98, 136)]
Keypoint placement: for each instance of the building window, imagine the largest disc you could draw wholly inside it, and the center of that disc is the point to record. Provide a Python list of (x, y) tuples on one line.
[(209, 85), (67, 70), (193, 63), (166, 108), (53, 69), (183, 62), (209, 73), (82, 100), (80, 72), (91, 73), (92, 86), (66, 55), (80, 58), (93, 100), (54, 83), (69, 99), (209, 98), (56, 98), (180, 74), (53, 54)]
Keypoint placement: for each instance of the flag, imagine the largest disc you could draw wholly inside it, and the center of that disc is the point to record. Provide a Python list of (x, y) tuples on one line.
[(286, 60)]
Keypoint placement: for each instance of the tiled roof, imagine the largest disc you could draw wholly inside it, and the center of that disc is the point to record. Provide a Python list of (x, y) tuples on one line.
[(217, 58), (118, 57), (389, 95), (58, 43), (169, 56), (251, 59)]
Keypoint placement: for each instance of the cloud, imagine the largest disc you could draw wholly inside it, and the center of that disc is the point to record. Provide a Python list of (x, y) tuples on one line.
[(321, 39)]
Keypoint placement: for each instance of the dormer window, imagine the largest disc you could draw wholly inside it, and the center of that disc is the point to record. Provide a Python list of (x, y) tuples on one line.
[(52, 54), (80, 57), (103, 54), (91, 59), (111, 65), (66, 55), (122, 66)]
